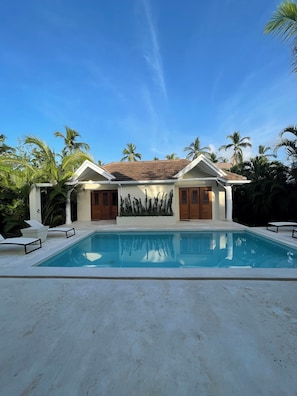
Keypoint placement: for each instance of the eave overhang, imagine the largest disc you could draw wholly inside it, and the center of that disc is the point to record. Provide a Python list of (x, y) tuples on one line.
[(87, 170)]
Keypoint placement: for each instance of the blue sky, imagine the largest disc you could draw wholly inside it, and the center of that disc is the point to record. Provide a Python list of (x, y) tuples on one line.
[(156, 73)]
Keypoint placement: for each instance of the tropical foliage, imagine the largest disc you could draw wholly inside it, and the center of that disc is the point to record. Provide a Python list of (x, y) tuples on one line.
[(13, 209), (290, 145), (70, 143), (194, 150), (271, 195), (214, 158), (160, 205), (35, 162), (267, 197), (283, 23), (171, 156), (4, 149), (236, 146), (130, 153)]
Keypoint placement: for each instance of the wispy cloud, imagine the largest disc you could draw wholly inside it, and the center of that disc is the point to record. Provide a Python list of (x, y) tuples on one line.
[(152, 53)]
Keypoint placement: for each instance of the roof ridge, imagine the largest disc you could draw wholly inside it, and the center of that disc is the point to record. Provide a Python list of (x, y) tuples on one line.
[(145, 161)]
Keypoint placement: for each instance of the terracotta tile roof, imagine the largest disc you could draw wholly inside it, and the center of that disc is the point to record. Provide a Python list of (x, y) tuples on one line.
[(153, 170)]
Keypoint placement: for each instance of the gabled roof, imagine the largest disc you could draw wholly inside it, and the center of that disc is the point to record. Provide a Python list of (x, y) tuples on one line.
[(146, 170), (204, 165), (155, 171), (90, 171)]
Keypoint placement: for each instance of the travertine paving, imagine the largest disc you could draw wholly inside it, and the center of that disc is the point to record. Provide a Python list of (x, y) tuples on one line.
[(147, 337), (94, 332)]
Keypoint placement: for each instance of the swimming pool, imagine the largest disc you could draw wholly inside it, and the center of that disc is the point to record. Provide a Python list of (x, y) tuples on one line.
[(174, 249)]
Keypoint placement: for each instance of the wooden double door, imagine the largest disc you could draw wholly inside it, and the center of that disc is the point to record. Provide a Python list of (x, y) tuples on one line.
[(104, 205), (195, 203)]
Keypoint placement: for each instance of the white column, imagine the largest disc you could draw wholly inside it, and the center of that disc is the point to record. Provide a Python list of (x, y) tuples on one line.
[(68, 207), (229, 203), (35, 203)]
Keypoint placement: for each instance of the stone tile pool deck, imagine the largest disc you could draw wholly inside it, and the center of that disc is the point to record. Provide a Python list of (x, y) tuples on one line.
[(87, 334)]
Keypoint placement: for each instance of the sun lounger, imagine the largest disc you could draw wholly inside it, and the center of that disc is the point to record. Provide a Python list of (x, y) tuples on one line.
[(69, 231), (34, 232), (23, 242), (274, 226), (294, 233)]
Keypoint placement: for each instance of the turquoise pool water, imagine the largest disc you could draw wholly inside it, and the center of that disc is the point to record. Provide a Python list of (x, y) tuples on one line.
[(220, 249)]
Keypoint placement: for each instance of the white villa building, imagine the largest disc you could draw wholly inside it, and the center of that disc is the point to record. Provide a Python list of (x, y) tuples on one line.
[(181, 189)]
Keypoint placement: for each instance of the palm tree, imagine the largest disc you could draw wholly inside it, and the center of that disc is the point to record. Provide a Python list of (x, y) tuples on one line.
[(3, 146), (289, 145), (214, 158), (262, 150), (47, 168), (22, 168), (70, 141), (171, 156), (43, 159), (284, 24), (238, 143), (267, 195), (129, 153), (194, 150)]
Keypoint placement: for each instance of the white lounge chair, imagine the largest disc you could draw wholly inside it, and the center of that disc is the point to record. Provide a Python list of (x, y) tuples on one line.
[(275, 225), (22, 241), (36, 232), (69, 231)]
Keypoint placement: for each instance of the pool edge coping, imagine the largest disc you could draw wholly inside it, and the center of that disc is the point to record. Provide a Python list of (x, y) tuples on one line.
[(33, 270)]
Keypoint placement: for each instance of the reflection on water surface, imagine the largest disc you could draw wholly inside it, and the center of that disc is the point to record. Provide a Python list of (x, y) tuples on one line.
[(219, 249)]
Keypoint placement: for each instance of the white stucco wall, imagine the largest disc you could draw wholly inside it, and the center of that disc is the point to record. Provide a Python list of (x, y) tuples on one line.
[(144, 221), (35, 203), (84, 205), (222, 205), (218, 203), (218, 197), (34, 200)]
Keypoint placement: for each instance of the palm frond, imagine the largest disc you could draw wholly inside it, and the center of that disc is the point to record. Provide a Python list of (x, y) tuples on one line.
[(284, 21)]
